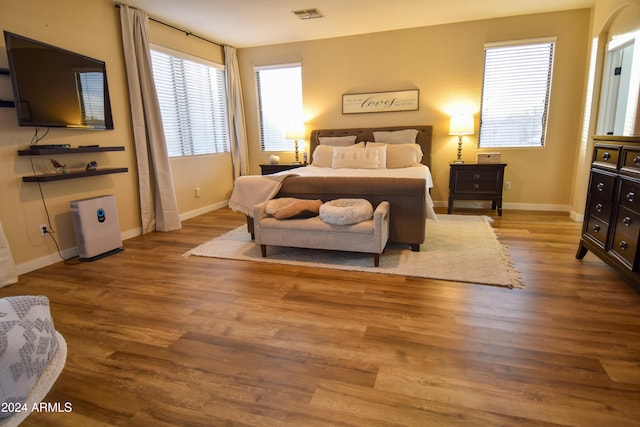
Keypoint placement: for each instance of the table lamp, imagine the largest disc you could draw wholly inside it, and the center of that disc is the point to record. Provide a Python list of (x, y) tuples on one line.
[(461, 124), (295, 132)]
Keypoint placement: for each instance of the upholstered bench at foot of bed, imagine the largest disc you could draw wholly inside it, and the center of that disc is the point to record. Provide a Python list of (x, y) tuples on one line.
[(368, 236)]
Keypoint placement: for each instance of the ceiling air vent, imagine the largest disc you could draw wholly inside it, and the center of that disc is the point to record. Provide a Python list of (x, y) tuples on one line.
[(308, 14)]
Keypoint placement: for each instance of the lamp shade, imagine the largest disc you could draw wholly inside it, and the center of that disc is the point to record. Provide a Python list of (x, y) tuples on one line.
[(461, 124), (295, 131)]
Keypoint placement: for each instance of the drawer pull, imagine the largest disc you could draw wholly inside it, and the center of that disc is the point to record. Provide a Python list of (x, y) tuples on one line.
[(630, 196), (600, 186), (626, 221), (596, 228), (476, 176), (636, 160), (599, 207), (623, 245), (606, 156), (476, 186)]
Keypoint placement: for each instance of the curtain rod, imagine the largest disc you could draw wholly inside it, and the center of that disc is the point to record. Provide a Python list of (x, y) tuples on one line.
[(187, 33)]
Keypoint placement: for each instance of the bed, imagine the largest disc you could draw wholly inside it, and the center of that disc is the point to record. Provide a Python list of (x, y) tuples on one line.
[(344, 166)]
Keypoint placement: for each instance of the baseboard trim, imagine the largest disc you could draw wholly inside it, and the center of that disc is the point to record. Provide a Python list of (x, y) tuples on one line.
[(513, 206), (577, 217), (204, 210)]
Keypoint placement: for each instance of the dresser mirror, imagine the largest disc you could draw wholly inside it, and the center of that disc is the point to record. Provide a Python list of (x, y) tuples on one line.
[(619, 103)]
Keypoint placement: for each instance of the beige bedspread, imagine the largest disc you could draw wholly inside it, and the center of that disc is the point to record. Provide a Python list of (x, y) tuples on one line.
[(251, 190)]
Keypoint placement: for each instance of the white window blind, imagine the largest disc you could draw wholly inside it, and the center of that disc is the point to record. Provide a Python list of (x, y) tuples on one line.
[(515, 94), (279, 103), (193, 104)]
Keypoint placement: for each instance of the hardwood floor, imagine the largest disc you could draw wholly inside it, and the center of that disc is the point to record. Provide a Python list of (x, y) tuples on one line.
[(156, 339)]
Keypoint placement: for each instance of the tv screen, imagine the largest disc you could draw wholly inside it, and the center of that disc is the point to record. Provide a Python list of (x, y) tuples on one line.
[(53, 87)]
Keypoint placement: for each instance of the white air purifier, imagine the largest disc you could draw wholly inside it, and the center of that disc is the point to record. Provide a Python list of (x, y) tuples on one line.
[(95, 221)]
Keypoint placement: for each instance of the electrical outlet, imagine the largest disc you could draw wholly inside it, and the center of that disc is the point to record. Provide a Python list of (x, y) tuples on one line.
[(44, 229), (507, 185)]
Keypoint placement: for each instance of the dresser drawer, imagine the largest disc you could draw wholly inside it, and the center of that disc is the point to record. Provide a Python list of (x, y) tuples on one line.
[(477, 181), (601, 192), (476, 187), (631, 160), (626, 233), (597, 230), (606, 156), (630, 195)]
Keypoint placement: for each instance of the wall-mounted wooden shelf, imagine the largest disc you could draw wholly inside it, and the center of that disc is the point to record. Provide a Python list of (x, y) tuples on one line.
[(71, 175), (36, 151)]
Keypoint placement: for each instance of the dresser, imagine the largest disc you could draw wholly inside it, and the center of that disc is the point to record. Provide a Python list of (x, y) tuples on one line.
[(611, 227), (476, 181)]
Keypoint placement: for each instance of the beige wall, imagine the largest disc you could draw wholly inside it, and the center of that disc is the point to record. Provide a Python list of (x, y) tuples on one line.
[(446, 63), (91, 28)]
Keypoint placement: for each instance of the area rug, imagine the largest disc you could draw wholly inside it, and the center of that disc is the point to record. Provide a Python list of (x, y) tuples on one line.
[(458, 248)]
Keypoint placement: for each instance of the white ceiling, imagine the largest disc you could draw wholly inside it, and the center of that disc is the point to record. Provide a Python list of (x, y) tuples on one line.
[(244, 23)]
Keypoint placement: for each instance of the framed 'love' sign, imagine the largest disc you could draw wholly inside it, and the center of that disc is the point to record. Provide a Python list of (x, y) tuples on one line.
[(380, 102)]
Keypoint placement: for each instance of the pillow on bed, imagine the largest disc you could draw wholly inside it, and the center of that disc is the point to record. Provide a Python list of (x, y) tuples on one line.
[(357, 158), (290, 208), (403, 155), (405, 136), (28, 342), (337, 141), (382, 155), (322, 156)]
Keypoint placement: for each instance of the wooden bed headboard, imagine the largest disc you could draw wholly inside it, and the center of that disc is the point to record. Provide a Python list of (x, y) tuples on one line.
[(366, 134)]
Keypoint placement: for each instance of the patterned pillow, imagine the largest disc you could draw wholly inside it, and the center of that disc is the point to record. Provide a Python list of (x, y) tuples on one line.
[(359, 158), (27, 344)]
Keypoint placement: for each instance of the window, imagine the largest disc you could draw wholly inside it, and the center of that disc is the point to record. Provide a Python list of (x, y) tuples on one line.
[(515, 94), (279, 103), (193, 104)]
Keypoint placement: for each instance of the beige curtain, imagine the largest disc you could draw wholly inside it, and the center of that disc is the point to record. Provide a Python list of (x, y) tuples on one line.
[(158, 205), (235, 107), (8, 273)]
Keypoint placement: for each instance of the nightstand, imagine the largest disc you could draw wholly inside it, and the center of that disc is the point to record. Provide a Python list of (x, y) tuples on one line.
[(269, 168), (476, 181)]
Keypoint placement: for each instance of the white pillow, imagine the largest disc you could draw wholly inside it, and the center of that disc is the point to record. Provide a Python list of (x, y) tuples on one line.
[(322, 156), (403, 155), (405, 136), (358, 158), (382, 155), (337, 141)]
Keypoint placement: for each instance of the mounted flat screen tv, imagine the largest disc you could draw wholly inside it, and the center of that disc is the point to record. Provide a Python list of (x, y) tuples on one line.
[(53, 87)]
